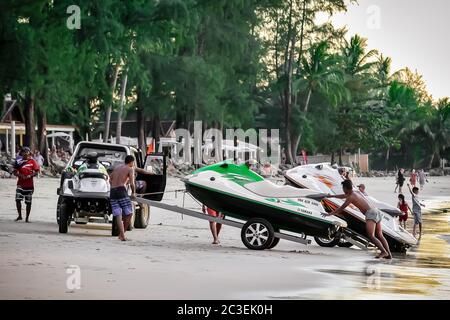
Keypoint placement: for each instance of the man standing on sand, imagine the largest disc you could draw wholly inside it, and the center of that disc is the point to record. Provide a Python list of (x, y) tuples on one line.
[(121, 204), (373, 217), (25, 170)]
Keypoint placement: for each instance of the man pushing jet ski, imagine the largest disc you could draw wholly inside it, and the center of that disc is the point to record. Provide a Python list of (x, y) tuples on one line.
[(373, 217)]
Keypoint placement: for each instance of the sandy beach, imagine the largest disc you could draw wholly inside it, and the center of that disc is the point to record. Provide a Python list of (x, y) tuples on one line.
[(174, 258)]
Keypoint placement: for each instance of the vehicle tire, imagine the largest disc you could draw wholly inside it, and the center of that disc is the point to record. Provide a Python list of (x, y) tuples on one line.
[(142, 216), (275, 240), (345, 244), (274, 243), (257, 234), (328, 243), (398, 248), (64, 218), (114, 228)]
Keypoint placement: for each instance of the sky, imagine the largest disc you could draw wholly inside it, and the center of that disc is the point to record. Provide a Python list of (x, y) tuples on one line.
[(414, 33)]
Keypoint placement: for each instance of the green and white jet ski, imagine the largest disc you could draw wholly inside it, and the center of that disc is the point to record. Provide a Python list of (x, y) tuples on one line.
[(240, 193)]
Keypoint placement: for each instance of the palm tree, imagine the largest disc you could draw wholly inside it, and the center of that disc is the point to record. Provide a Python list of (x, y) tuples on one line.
[(322, 75), (437, 130), (359, 67)]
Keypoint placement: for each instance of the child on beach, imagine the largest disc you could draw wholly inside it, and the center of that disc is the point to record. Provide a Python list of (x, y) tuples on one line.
[(417, 210), (404, 207)]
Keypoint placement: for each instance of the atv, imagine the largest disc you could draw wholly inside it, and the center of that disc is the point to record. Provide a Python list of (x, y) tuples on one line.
[(84, 186)]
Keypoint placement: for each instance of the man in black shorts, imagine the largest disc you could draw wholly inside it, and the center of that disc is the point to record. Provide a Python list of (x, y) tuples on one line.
[(25, 169)]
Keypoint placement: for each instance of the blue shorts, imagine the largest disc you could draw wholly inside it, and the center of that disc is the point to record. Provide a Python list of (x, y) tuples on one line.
[(120, 202)]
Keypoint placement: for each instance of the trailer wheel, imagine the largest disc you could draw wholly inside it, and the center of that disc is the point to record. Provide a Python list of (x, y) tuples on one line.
[(328, 243), (274, 242), (345, 244), (398, 248), (257, 234), (142, 216)]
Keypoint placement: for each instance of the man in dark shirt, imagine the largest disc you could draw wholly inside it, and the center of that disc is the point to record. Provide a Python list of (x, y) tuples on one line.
[(25, 170)]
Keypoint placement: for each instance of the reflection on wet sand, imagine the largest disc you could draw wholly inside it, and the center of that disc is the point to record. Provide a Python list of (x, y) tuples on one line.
[(424, 272)]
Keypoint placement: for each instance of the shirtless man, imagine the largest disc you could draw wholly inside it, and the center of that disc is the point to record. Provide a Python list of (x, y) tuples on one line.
[(120, 201), (373, 217)]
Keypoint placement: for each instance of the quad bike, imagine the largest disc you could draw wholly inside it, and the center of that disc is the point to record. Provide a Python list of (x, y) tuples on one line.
[(84, 187)]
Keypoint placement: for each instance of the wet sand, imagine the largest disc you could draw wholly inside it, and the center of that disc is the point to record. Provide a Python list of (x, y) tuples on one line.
[(174, 258)]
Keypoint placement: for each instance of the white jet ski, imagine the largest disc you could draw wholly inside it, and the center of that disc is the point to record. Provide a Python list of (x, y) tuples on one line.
[(326, 179)]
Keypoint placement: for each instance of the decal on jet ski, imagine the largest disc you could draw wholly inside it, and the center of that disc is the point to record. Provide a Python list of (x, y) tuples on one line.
[(237, 178), (325, 180), (285, 201), (306, 201)]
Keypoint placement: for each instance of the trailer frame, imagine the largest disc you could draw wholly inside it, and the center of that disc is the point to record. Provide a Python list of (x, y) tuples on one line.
[(203, 216)]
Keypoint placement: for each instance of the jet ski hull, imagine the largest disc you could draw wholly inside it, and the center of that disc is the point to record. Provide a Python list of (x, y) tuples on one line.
[(243, 208)]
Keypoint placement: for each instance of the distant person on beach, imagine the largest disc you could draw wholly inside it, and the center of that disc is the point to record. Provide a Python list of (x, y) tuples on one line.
[(214, 226), (19, 155), (39, 159), (283, 156), (25, 170), (404, 208), (413, 178), (422, 178), (121, 204), (400, 181), (373, 217), (417, 210), (362, 189)]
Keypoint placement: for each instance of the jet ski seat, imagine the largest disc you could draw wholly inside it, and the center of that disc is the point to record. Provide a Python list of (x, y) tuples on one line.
[(268, 189)]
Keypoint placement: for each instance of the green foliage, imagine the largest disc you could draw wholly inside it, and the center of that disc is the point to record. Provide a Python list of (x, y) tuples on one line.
[(230, 63)]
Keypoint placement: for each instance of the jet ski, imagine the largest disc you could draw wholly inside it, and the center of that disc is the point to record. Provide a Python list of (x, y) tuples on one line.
[(240, 193), (326, 179)]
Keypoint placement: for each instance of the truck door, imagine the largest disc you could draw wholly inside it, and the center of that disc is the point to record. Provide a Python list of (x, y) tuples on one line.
[(154, 163)]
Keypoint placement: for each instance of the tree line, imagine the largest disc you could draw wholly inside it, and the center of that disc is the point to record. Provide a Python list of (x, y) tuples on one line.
[(229, 63)]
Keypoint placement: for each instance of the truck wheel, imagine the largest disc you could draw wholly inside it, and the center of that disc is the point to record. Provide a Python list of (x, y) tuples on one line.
[(142, 216), (328, 243), (114, 228), (58, 207), (64, 218), (257, 234)]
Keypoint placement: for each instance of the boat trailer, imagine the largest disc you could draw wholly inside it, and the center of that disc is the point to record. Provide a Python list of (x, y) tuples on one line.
[(195, 214)]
